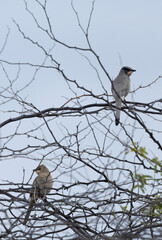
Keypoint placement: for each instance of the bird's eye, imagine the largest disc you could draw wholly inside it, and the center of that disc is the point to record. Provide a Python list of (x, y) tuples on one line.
[(127, 70)]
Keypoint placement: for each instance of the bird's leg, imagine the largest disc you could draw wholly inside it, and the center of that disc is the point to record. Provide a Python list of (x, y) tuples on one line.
[(45, 199), (124, 99)]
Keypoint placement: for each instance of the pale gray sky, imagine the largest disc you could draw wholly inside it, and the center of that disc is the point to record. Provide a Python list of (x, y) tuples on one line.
[(129, 29), (121, 32)]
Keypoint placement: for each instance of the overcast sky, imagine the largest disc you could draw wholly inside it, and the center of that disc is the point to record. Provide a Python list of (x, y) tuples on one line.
[(121, 32)]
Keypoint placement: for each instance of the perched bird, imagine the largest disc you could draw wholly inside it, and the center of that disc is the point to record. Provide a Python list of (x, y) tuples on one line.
[(121, 88), (41, 187)]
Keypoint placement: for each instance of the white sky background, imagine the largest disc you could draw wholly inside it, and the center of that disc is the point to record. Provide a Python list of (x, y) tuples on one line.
[(131, 29)]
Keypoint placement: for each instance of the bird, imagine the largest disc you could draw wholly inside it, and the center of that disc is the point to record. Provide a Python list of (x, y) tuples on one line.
[(121, 88), (42, 185)]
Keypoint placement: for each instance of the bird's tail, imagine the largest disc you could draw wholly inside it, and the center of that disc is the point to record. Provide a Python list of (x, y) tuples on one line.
[(29, 211), (118, 107)]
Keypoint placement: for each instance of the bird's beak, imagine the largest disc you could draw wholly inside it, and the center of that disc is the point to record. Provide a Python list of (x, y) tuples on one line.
[(130, 72), (37, 170)]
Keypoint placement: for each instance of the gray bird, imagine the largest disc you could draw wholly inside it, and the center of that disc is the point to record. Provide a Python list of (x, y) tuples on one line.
[(121, 88), (41, 187)]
